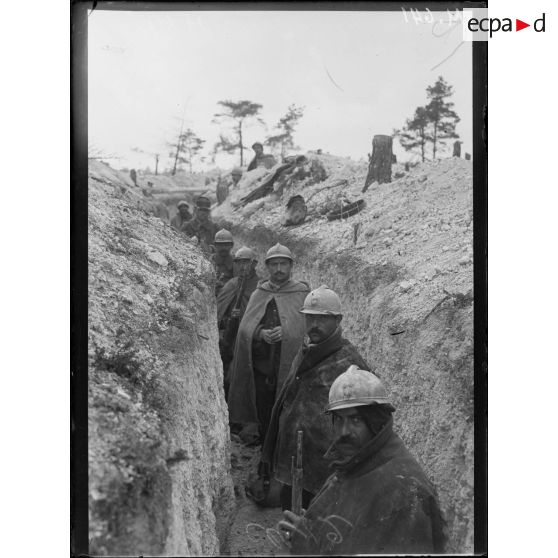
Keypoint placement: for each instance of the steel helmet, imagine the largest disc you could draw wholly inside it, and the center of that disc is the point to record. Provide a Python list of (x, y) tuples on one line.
[(245, 253), (223, 236), (236, 170), (355, 388), (279, 251), (181, 203), (322, 301)]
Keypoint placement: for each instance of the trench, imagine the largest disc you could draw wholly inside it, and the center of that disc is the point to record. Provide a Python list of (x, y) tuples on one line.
[(404, 277)]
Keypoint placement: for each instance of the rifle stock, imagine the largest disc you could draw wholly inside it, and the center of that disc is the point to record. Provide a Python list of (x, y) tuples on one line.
[(296, 475)]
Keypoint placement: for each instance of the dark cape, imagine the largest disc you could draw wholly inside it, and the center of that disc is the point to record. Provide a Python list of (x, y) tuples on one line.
[(289, 299), (378, 502), (228, 293), (300, 406)]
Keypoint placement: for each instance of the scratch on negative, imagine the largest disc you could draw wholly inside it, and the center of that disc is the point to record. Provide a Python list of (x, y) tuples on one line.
[(332, 80), (448, 57)]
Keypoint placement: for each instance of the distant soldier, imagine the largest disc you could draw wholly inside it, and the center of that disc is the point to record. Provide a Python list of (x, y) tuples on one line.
[(222, 259), (182, 216), (232, 302), (269, 335), (260, 158), (201, 226)]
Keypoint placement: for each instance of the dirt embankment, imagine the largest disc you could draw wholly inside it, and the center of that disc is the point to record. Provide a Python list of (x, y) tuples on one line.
[(159, 447), (403, 269)]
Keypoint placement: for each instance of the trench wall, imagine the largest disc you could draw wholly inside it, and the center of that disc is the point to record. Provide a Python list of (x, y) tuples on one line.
[(159, 447)]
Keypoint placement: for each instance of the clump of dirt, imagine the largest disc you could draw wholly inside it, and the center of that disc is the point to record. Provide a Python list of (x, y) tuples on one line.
[(159, 446), (403, 268)]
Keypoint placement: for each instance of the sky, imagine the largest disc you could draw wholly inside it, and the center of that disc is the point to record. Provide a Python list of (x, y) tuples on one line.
[(357, 74)]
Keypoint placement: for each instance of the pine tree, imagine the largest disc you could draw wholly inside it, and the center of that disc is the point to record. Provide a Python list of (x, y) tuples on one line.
[(443, 119), (286, 127), (238, 112), (415, 132)]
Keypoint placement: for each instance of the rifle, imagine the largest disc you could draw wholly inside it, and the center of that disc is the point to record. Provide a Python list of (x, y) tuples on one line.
[(274, 323), (233, 322), (296, 476)]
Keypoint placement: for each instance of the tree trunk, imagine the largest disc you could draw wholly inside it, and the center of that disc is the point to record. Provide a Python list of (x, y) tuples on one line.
[(457, 149), (379, 168), (156, 165), (240, 143), (434, 141)]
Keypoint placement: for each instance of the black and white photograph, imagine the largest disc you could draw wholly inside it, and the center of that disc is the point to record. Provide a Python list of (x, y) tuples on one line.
[(280, 338)]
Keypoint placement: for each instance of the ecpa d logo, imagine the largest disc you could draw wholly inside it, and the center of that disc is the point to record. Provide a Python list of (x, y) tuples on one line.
[(477, 26)]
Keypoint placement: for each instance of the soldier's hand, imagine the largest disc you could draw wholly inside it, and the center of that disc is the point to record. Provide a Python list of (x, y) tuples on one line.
[(265, 335), (276, 334), (290, 523)]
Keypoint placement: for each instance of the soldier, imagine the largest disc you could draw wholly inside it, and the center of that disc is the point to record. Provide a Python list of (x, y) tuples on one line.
[(323, 357), (134, 177), (201, 226), (222, 259), (269, 336), (182, 216), (231, 303), (378, 500), (260, 158)]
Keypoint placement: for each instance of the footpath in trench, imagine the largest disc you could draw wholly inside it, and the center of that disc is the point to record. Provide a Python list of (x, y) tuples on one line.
[(252, 531)]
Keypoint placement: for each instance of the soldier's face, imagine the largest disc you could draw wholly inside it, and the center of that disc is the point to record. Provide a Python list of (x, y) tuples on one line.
[(258, 149), (203, 214), (279, 269), (236, 178), (223, 248), (319, 327), (242, 267), (350, 431), (183, 210)]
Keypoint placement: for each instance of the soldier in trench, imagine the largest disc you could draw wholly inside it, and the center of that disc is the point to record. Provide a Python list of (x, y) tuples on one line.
[(201, 226), (269, 335), (232, 302), (378, 499), (222, 258), (324, 355), (182, 216)]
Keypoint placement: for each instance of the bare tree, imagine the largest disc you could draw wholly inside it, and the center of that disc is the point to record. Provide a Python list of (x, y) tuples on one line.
[(156, 155), (186, 148)]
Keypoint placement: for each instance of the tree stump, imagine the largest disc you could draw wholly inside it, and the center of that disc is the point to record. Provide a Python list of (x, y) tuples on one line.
[(457, 148), (467, 156), (379, 168)]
